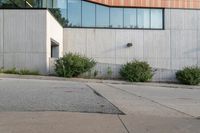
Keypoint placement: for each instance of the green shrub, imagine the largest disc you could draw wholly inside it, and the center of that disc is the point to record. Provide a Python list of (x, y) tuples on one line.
[(72, 65), (136, 71), (189, 76)]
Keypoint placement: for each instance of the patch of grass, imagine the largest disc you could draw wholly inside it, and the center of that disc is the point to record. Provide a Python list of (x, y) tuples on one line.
[(20, 72), (1, 70), (28, 72), (10, 71)]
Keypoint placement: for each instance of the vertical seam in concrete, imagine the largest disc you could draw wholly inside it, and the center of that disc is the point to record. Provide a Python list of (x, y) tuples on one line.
[(170, 37), (26, 38), (123, 124), (197, 38), (3, 40), (86, 50), (46, 40), (143, 44), (115, 47)]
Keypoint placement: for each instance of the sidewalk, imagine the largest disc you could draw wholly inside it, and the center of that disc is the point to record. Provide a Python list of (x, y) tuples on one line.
[(59, 122), (147, 109)]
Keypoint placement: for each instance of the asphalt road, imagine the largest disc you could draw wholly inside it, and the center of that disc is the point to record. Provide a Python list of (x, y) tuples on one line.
[(47, 95)]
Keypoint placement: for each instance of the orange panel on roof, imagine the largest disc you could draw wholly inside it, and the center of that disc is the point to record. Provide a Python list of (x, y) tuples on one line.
[(151, 3)]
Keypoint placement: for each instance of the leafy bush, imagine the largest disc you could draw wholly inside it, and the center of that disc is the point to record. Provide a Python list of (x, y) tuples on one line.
[(189, 75), (136, 71), (72, 65), (20, 72)]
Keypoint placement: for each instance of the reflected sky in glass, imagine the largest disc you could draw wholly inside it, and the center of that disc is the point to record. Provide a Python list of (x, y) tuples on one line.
[(88, 14), (116, 17)]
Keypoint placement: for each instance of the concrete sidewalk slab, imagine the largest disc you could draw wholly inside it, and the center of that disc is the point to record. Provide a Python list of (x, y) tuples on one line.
[(57, 122), (130, 104), (183, 100), (158, 124)]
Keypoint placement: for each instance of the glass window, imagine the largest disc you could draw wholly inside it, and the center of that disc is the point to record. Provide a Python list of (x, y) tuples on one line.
[(130, 18), (33, 3), (62, 6), (143, 18), (19, 3), (102, 16), (12, 4), (116, 17), (88, 14), (74, 13), (156, 18), (49, 3), (44, 3)]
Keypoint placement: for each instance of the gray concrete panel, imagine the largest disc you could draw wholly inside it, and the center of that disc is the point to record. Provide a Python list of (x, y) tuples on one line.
[(9, 60), (77, 41), (1, 31), (157, 48), (35, 31), (190, 19), (35, 61), (105, 45), (1, 38), (177, 19), (167, 19), (124, 53), (14, 31), (183, 48)]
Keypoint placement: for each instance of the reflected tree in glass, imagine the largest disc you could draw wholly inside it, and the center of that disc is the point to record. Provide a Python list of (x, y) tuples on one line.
[(57, 14)]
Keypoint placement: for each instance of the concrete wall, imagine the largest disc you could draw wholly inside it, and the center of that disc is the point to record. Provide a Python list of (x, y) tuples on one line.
[(166, 50), (1, 39), (24, 42), (55, 32)]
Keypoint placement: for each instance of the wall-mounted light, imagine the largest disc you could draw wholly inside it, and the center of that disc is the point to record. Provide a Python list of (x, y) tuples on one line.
[(129, 44)]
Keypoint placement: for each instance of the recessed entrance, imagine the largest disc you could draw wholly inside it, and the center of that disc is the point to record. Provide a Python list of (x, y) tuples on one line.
[(54, 49)]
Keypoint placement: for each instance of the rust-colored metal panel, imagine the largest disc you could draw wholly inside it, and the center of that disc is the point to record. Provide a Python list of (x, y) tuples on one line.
[(152, 3)]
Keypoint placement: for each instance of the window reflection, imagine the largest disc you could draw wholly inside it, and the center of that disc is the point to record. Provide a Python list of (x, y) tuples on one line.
[(88, 14), (116, 18), (62, 5), (79, 13), (130, 18), (33, 3), (102, 16), (74, 13), (143, 18), (156, 19)]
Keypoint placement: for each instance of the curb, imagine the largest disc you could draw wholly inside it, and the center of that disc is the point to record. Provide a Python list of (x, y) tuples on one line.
[(154, 84)]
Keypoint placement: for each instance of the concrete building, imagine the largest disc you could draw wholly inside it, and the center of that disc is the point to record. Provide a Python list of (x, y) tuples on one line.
[(165, 33)]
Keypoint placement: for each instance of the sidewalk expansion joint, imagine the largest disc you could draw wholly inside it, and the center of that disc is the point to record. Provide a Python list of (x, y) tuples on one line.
[(123, 124), (98, 94)]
